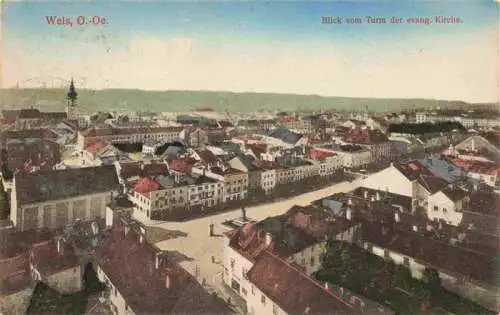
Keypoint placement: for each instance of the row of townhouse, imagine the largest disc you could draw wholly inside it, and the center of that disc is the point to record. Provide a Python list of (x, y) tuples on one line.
[(152, 282), (132, 135), (441, 193), (390, 229), (469, 122), (351, 156), (279, 254)]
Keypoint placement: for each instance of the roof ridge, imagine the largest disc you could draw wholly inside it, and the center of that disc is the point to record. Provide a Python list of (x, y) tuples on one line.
[(304, 276)]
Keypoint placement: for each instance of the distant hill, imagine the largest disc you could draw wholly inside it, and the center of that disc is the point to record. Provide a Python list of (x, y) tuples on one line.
[(181, 101)]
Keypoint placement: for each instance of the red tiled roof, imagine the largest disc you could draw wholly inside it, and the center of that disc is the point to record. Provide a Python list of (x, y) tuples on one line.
[(315, 154), (207, 157), (297, 229), (287, 119), (292, 290), (96, 146), (476, 166), (413, 169), (366, 136), (130, 265), (14, 274), (146, 185), (182, 165), (48, 261), (6, 122), (14, 259)]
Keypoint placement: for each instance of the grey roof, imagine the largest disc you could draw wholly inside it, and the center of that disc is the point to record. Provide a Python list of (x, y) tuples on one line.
[(173, 150), (62, 184), (443, 168), (165, 181), (286, 135), (247, 160), (334, 206)]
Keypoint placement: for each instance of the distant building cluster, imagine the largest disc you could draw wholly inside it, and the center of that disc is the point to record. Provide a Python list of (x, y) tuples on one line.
[(79, 190)]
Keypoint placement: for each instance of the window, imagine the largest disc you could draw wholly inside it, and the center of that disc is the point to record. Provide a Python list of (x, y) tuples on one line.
[(436, 208), (312, 261), (253, 290), (244, 291), (232, 263), (275, 309), (262, 299), (444, 210)]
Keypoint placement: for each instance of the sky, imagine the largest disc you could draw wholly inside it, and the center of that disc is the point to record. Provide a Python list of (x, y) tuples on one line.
[(257, 46)]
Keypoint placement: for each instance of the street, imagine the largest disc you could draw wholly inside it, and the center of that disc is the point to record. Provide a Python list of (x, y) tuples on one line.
[(197, 248)]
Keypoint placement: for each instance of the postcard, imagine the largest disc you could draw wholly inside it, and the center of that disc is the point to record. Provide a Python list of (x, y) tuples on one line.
[(249, 157)]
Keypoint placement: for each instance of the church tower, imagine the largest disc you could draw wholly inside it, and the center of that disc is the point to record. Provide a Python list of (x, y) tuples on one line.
[(72, 98)]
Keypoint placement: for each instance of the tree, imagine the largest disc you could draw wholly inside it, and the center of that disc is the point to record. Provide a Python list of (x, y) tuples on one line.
[(403, 277), (431, 278)]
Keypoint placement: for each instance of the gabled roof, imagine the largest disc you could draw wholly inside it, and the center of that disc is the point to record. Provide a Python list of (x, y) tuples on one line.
[(38, 152), (133, 169), (68, 183), (292, 290), (440, 255), (207, 157), (48, 260), (292, 232), (182, 165), (29, 113), (454, 193), (442, 167), (130, 265), (286, 135), (146, 185), (432, 183), (95, 147)]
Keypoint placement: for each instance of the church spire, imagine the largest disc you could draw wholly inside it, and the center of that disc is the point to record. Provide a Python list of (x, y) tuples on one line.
[(72, 95)]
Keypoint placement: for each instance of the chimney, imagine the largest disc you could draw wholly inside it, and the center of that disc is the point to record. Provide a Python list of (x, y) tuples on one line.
[(95, 229), (157, 260), (167, 281), (349, 201), (473, 144), (59, 244), (327, 287), (373, 198), (378, 195), (269, 238), (366, 194), (415, 228), (348, 213)]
